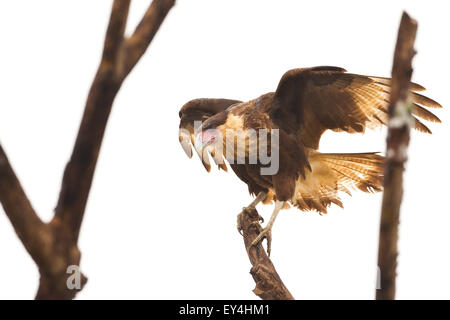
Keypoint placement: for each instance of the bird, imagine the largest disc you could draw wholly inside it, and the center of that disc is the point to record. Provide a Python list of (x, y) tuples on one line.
[(306, 103)]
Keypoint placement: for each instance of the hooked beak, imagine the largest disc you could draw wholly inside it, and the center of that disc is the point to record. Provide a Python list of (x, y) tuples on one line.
[(184, 137)]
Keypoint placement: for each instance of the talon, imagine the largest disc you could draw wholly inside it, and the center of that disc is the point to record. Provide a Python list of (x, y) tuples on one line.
[(265, 233), (239, 224), (248, 209), (257, 224), (240, 217), (261, 195), (240, 228)]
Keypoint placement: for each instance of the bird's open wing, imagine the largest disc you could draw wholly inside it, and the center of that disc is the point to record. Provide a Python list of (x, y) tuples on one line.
[(312, 100), (200, 110)]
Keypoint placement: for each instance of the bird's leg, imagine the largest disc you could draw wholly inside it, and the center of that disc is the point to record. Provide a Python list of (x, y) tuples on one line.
[(267, 231), (260, 197)]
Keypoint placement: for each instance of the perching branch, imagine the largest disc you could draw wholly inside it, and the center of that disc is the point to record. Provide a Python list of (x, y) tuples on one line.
[(53, 246), (268, 283), (400, 122)]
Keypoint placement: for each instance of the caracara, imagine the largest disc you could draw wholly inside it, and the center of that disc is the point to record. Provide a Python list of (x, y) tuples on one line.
[(306, 103)]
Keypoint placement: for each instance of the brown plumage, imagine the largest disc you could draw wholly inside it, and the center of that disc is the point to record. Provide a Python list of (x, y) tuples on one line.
[(306, 103)]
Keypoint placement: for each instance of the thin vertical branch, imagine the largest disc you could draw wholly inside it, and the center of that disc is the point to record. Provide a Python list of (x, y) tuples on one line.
[(79, 171), (138, 42), (400, 122)]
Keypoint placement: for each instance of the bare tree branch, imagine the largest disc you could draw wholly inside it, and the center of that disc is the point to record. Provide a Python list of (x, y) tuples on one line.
[(115, 34), (42, 241), (137, 44), (24, 219), (268, 283), (53, 246), (400, 122), (79, 171)]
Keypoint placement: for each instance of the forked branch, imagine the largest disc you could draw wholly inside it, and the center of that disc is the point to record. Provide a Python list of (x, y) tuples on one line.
[(120, 55), (53, 246)]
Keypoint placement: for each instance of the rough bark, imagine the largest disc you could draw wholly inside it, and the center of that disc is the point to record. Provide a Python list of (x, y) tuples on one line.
[(268, 283), (400, 122)]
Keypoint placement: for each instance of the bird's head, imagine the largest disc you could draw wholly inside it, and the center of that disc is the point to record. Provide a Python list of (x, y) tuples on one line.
[(196, 128), (191, 115)]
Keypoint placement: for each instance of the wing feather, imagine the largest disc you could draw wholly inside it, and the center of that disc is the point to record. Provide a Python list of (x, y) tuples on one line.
[(335, 173), (327, 98)]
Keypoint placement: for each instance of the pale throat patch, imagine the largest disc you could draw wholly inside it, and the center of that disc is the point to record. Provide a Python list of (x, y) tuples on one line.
[(231, 129), (233, 122)]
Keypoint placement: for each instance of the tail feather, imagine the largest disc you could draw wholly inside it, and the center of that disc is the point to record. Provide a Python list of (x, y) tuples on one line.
[(333, 173)]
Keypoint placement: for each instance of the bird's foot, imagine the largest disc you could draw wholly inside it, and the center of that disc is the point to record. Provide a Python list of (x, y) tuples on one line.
[(240, 216), (264, 233)]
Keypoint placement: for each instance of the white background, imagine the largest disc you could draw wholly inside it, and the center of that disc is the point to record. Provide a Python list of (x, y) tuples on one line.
[(157, 225)]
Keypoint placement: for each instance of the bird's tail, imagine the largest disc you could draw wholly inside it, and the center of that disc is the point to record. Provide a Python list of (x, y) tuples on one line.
[(334, 172), (363, 171)]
